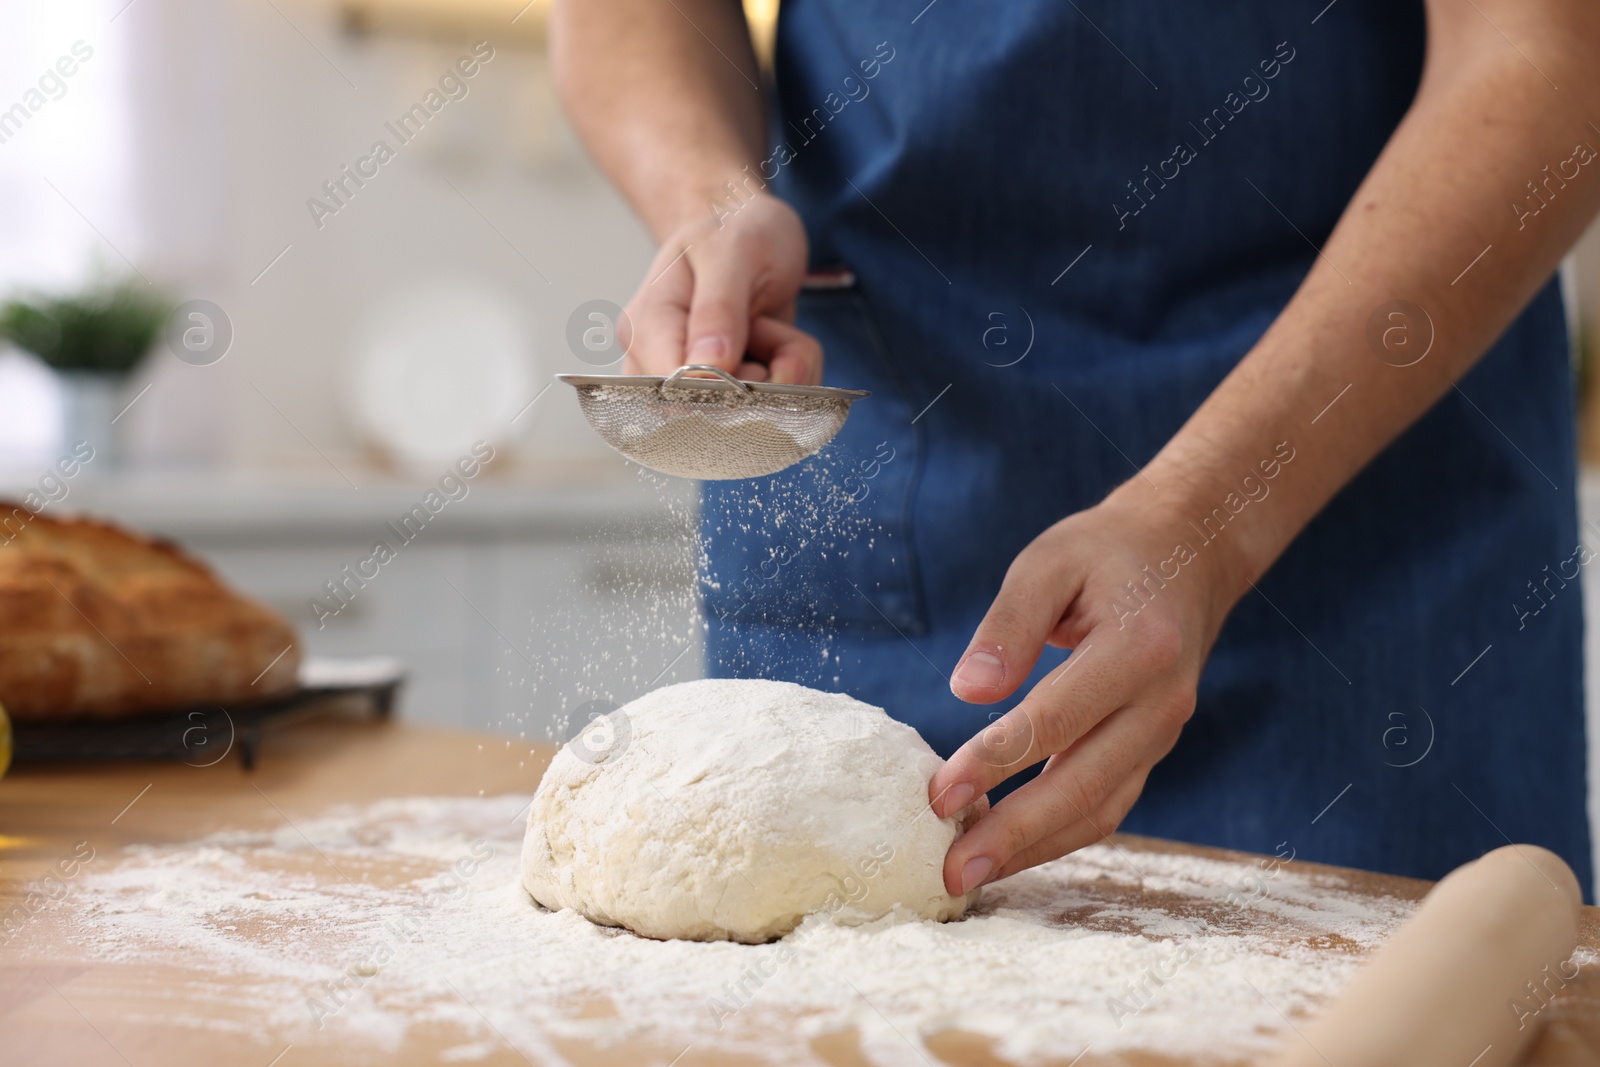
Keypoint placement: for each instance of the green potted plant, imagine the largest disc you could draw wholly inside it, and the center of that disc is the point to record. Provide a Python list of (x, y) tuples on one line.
[(92, 339)]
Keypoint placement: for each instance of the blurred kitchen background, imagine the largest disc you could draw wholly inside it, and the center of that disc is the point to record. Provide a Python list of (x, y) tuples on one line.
[(175, 144)]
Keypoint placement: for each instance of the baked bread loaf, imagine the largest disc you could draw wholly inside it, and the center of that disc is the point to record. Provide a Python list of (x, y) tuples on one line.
[(96, 621)]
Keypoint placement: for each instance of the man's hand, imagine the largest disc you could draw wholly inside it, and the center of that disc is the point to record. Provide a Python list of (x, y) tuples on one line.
[(1103, 718), (667, 97), (1428, 207), (722, 292)]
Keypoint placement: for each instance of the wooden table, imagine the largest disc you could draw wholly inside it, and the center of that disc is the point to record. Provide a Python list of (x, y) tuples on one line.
[(61, 1007)]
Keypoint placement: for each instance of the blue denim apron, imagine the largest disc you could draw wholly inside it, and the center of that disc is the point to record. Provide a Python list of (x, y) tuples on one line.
[(1066, 223)]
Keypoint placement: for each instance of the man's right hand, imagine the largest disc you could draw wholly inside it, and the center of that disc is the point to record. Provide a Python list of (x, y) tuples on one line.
[(722, 292)]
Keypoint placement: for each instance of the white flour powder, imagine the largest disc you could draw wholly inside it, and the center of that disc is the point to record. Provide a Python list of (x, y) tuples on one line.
[(694, 446), (350, 920)]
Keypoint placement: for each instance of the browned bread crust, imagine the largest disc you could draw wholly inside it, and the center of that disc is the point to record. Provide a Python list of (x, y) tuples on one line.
[(100, 622)]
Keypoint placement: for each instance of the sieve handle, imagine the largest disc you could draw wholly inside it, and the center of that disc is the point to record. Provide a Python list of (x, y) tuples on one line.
[(744, 387)]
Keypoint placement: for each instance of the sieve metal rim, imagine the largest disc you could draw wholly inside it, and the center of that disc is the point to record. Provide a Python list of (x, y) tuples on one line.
[(680, 380)]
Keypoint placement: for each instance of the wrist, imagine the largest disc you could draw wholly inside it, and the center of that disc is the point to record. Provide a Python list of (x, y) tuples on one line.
[(1211, 532), (708, 202), (768, 231)]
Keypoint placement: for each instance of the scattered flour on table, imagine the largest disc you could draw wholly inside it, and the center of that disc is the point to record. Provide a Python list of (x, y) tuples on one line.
[(376, 919)]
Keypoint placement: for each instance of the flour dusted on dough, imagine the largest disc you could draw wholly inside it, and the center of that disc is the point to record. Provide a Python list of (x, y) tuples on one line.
[(733, 808)]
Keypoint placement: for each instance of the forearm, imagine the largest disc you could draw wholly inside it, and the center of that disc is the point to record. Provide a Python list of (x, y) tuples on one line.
[(665, 95), (1485, 123)]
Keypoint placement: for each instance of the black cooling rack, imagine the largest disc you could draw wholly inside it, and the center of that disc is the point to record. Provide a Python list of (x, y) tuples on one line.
[(200, 735)]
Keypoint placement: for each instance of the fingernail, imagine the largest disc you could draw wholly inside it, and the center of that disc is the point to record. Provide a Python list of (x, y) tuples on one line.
[(981, 670), (707, 350), (957, 797), (975, 872)]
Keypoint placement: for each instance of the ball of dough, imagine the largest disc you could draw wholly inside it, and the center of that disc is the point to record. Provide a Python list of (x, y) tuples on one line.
[(730, 809)]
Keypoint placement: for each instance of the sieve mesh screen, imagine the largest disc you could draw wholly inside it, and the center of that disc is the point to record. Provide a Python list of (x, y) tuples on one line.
[(715, 428)]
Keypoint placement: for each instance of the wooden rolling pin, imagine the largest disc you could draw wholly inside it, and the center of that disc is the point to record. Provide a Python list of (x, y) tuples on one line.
[(1463, 982)]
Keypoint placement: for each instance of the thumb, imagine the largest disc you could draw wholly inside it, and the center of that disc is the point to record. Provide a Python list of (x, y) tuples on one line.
[(1008, 641), (792, 356), (719, 312)]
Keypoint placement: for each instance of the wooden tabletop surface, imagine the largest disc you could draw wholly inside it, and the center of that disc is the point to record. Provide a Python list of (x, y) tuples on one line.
[(60, 1005)]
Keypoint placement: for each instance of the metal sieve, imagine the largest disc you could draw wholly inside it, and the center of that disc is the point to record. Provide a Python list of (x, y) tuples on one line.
[(714, 427)]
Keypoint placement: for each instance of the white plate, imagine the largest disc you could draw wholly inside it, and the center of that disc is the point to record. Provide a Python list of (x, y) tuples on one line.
[(435, 368)]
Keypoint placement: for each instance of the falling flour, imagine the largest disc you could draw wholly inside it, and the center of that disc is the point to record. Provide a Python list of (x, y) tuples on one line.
[(360, 925)]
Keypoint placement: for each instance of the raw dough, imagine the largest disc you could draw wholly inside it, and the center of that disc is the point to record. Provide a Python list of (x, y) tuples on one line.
[(732, 808)]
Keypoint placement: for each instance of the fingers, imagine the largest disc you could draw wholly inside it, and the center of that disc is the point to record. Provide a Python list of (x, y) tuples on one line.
[(1062, 708), (656, 320), (673, 313), (791, 356), (719, 311), (1037, 589), (974, 813), (971, 814), (1096, 827), (1046, 812), (709, 283)]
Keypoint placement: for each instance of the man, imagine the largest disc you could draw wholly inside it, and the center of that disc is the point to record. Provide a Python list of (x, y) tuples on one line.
[(1173, 316)]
